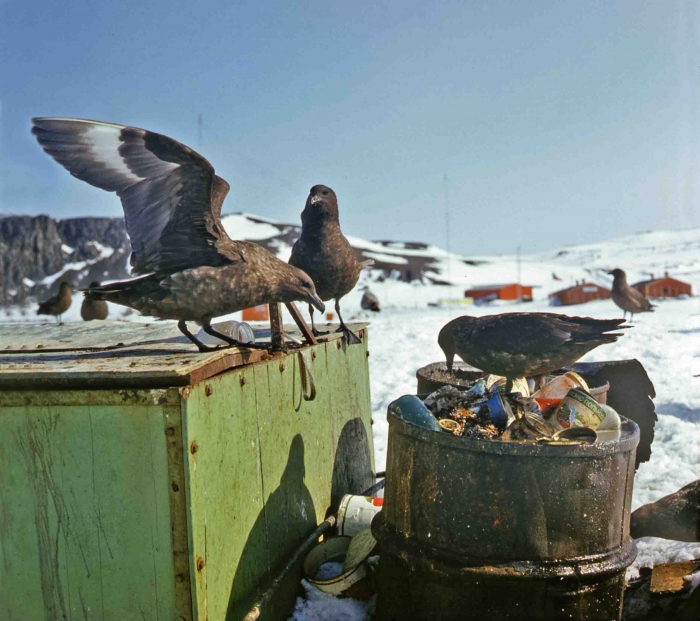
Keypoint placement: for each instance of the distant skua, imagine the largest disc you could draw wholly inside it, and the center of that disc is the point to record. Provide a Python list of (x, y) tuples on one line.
[(628, 298), (57, 304), (93, 309), (370, 302)]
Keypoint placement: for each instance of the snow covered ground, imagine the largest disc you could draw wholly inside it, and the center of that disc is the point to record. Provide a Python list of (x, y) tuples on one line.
[(667, 343)]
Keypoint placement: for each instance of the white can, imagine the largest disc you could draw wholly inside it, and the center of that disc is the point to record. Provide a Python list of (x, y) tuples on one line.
[(356, 513)]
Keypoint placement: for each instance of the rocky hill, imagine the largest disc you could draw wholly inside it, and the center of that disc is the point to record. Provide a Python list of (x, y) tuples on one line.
[(37, 253)]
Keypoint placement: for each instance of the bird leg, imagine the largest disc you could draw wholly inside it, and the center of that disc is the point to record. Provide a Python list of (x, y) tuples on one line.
[(314, 331), (206, 326), (508, 388), (182, 324), (350, 337)]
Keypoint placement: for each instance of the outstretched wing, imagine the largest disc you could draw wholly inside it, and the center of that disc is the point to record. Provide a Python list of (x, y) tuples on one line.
[(170, 194)]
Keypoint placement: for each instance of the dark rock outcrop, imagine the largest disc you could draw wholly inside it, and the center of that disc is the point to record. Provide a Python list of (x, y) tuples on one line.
[(38, 252)]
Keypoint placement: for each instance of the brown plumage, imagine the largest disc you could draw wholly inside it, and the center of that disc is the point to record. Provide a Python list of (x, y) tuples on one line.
[(524, 344), (172, 204), (370, 302), (676, 516), (628, 298), (57, 304), (324, 253), (93, 309)]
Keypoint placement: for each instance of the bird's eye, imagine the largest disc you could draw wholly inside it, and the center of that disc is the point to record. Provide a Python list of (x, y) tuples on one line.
[(325, 192)]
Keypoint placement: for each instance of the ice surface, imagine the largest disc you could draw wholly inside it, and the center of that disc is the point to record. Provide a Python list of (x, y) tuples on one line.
[(329, 570)]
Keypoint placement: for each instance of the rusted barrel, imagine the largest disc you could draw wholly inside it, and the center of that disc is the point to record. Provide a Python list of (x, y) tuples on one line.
[(481, 530), (435, 375)]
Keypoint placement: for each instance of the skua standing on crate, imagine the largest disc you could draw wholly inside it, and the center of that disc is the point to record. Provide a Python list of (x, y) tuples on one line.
[(627, 298), (524, 344), (57, 304), (192, 270), (324, 253)]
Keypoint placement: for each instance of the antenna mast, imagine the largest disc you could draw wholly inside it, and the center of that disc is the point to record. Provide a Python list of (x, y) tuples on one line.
[(447, 231), (199, 131)]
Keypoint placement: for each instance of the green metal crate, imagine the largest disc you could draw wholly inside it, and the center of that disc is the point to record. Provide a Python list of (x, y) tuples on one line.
[(151, 482)]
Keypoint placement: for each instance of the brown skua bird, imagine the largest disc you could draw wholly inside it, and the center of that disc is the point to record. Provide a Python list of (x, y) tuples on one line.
[(524, 344), (370, 302), (324, 253), (57, 304), (93, 309), (628, 298), (192, 270), (676, 516)]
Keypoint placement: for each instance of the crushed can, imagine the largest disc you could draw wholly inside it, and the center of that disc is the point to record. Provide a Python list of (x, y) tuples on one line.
[(577, 409), (500, 412), (411, 409), (559, 386), (356, 513)]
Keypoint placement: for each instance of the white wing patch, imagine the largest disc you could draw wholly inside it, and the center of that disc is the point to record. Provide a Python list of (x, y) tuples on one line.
[(104, 142)]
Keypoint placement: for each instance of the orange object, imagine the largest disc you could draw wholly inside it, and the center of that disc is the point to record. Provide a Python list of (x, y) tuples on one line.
[(329, 316), (547, 405), (511, 291), (257, 313)]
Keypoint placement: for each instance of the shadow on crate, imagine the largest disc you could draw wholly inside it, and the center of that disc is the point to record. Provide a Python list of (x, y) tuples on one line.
[(289, 515)]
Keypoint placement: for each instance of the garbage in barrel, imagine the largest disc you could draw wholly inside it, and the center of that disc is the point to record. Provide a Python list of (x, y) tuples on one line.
[(475, 527)]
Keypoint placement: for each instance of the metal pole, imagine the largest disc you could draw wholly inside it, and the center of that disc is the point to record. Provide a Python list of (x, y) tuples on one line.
[(520, 291), (447, 232)]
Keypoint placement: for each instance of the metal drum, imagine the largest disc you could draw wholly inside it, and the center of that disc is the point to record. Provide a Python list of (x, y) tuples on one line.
[(475, 529)]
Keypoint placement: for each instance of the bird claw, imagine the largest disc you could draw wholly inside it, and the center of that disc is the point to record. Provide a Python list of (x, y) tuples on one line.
[(316, 332), (206, 348), (349, 335)]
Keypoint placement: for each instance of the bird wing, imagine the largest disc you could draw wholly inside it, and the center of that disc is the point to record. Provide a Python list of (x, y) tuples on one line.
[(638, 297), (171, 197), (518, 332)]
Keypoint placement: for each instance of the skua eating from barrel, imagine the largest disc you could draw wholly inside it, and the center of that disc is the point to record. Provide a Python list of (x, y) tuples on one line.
[(189, 268), (524, 344), (324, 253)]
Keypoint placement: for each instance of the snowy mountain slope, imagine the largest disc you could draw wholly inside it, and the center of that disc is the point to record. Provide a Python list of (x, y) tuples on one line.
[(37, 253), (413, 263)]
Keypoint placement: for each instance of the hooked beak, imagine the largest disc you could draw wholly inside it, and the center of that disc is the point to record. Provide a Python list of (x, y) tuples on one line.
[(317, 302)]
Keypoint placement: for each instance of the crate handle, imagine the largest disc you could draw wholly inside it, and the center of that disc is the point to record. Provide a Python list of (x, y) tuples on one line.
[(308, 385)]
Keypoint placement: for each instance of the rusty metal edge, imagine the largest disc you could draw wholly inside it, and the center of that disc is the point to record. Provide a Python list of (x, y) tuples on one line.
[(175, 442), (116, 381), (114, 396), (513, 448), (423, 558)]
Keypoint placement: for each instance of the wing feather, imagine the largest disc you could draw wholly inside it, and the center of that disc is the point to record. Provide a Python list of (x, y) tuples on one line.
[(166, 190)]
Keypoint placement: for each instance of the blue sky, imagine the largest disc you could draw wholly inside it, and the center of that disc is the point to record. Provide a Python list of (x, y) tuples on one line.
[(554, 122)]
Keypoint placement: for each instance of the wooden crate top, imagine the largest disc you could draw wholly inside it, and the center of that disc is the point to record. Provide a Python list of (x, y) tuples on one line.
[(114, 354)]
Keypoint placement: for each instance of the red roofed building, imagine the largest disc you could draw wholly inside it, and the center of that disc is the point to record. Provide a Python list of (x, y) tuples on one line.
[(500, 292), (665, 287), (580, 293)]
